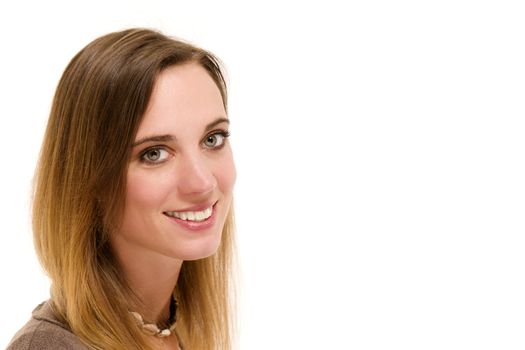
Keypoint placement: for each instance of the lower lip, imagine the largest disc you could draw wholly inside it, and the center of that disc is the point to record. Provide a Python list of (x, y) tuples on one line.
[(197, 225)]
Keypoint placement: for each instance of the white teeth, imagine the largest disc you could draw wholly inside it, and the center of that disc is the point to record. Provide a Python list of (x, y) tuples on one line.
[(191, 215)]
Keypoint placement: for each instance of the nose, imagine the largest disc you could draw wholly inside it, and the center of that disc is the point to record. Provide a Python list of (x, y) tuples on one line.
[(196, 176)]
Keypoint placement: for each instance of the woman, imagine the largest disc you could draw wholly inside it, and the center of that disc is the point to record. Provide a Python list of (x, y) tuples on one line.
[(132, 213)]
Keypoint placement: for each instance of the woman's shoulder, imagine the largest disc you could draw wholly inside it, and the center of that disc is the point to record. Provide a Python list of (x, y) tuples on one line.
[(44, 331)]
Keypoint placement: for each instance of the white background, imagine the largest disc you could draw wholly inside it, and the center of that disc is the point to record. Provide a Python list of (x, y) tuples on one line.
[(380, 152)]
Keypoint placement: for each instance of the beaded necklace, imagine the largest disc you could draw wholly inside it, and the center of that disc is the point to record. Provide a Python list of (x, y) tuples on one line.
[(153, 329)]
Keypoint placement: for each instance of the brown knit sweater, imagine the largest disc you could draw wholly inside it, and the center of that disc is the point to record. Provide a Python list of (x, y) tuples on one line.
[(45, 332)]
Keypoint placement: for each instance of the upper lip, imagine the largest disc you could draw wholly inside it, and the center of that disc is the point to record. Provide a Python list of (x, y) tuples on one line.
[(198, 207)]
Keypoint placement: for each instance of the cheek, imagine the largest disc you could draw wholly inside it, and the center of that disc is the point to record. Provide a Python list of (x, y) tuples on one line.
[(226, 175), (144, 191)]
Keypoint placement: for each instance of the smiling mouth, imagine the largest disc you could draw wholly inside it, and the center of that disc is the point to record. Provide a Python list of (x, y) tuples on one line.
[(196, 216)]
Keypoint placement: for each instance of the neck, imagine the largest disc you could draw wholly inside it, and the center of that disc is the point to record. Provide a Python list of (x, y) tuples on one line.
[(152, 276)]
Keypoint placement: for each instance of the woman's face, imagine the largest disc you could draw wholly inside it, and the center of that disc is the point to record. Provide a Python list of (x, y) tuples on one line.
[(181, 174)]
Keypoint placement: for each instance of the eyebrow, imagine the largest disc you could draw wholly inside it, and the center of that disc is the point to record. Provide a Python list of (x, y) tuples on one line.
[(169, 137)]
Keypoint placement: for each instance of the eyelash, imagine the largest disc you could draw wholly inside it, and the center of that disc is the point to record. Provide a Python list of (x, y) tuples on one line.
[(224, 133)]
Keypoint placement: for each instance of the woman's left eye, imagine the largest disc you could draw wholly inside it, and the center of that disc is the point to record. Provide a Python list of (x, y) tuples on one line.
[(216, 140)]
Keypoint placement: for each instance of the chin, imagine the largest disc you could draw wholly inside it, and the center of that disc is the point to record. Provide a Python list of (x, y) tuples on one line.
[(196, 251)]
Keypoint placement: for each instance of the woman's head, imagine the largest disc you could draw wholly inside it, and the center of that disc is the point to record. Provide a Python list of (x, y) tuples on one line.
[(181, 173), (100, 102), (89, 184)]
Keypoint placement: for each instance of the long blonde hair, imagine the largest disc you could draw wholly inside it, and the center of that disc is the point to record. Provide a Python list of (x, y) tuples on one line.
[(79, 190)]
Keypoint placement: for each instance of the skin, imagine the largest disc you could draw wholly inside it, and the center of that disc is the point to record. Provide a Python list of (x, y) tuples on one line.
[(190, 166)]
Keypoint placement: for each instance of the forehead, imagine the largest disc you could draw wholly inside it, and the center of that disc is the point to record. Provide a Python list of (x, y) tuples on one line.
[(184, 97)]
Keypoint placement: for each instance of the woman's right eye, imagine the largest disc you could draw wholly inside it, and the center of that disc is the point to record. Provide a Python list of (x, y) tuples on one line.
[(154, 156)]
